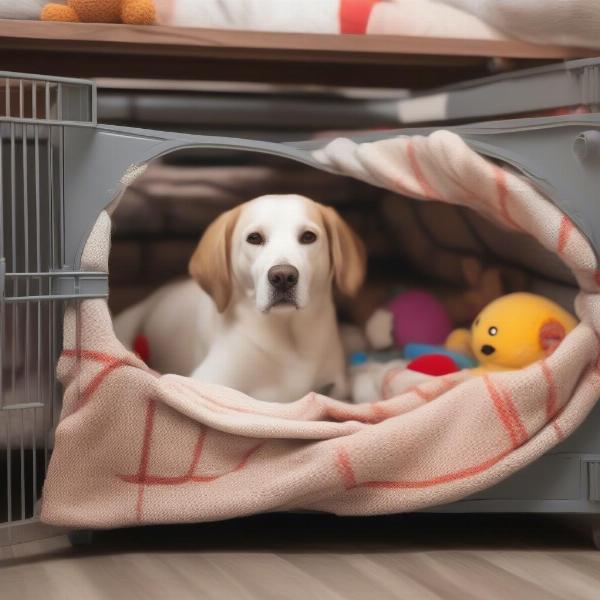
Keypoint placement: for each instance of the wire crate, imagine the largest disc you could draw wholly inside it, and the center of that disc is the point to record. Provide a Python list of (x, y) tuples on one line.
[(36, 280), (60, 169)]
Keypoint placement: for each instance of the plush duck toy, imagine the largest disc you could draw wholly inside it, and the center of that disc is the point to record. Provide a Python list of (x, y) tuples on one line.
[(513, 331), (133, 12)]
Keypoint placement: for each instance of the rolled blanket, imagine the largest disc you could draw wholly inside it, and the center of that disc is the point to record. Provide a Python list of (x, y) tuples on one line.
[(405, 17)]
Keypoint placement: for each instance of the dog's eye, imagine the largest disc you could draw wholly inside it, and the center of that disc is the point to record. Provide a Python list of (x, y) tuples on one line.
[(493, 330), (308, 237), (255, 238)]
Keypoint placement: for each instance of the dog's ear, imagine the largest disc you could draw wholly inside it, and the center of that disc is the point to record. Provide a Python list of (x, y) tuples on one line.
[(347, 251), (210, 264)]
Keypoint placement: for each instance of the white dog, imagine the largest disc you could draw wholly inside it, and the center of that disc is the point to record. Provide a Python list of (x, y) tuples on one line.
[(262, 319)]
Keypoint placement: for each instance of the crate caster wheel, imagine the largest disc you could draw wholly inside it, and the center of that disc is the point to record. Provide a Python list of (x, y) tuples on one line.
[(81, 537)]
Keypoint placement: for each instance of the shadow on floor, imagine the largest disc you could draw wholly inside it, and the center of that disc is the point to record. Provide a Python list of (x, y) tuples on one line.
[(327, 533)]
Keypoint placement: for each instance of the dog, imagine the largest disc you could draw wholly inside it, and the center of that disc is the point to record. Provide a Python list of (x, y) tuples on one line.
[(258, 313)]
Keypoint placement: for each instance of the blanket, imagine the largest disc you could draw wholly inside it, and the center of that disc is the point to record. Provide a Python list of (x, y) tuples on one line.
[(400, 17), (563, 22), (135, 447)]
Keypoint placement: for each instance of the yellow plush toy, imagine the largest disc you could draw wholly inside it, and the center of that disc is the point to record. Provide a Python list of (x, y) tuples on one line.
[(133, 12), (513, 331)]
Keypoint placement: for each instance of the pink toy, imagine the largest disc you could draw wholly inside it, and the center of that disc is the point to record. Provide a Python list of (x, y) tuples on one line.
[(414, 316), (419, 317)]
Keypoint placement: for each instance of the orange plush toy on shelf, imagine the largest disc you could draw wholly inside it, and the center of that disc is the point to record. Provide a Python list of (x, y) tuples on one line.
[(132, 12)]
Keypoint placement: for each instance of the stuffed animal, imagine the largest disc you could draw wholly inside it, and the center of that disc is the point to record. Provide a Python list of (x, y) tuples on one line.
[(373, 311), (133, 12), (513, 331), (412, 316)]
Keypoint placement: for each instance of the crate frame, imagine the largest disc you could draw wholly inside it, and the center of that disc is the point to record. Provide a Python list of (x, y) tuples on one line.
[(90, 164)]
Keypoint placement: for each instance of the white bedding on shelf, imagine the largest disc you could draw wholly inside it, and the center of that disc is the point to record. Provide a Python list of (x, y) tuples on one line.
[(563, 22), (21, 9)]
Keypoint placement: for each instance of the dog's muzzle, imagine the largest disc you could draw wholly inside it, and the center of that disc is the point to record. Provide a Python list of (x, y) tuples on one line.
[(283, 280)]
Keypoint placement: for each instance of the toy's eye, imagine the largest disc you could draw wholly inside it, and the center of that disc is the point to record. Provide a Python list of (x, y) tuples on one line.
[(308, 237), (255, 238), (493, 330)]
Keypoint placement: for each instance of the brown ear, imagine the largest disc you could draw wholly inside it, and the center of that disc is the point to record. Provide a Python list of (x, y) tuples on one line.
[(348, 254), (210, 264), (552, 334)]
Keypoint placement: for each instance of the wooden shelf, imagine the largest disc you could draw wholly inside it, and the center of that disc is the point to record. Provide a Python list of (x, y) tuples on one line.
[(101, 50)]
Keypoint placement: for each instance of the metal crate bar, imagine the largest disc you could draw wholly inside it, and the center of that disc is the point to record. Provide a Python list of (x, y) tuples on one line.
[(35, 282), (42, 100)]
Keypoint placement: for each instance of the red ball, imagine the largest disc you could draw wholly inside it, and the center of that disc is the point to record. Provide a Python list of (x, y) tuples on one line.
[(433, 364)]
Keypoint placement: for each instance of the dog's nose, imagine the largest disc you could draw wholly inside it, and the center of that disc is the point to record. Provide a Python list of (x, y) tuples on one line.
[(487, 349), (283, 277)]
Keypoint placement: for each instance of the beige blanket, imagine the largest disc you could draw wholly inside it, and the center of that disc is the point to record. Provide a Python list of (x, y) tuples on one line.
[(135, 447)]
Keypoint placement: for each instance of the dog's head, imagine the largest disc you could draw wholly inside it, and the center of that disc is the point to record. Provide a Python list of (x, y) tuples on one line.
[(279, 251)]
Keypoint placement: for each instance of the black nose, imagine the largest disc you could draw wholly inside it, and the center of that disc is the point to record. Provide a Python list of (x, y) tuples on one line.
[(487, 349), (283, 277)]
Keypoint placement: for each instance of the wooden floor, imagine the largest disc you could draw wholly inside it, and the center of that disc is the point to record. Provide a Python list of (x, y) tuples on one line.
[(287, 557)]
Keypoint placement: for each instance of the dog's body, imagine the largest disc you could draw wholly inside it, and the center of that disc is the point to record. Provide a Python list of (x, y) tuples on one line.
[(262, 319)]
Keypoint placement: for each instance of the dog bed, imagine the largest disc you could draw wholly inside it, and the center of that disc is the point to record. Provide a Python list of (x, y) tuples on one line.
[(136, 447)]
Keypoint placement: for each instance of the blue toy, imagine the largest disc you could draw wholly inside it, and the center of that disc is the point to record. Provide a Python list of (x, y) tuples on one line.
[(414, 350)]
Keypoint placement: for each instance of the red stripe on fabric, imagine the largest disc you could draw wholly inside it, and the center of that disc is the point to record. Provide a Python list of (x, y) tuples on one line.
[(345, 468), (386, 392), (354, 15), (148, 480), (95, 383), (242, 464), (111, 362), (501, 186), (428, 190), (145, 457), (108, 359), (514, 415), (379, 413), (445, 386), (597, 277), (102, 357), (502, 410), (425, 396), (558, 431), (428, 396), (551, 397), (188, 477), (447, 478), (197, 453), (564, 231)]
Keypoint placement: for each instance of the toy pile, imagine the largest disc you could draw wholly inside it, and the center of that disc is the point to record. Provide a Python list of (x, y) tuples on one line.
[(416, 331)]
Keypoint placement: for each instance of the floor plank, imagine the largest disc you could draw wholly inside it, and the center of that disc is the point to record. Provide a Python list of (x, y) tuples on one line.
[(429, 557)]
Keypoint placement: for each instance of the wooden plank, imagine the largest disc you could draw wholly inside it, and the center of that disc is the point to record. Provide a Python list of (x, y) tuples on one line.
[(89, 65), (102, 50), (273, 46)]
